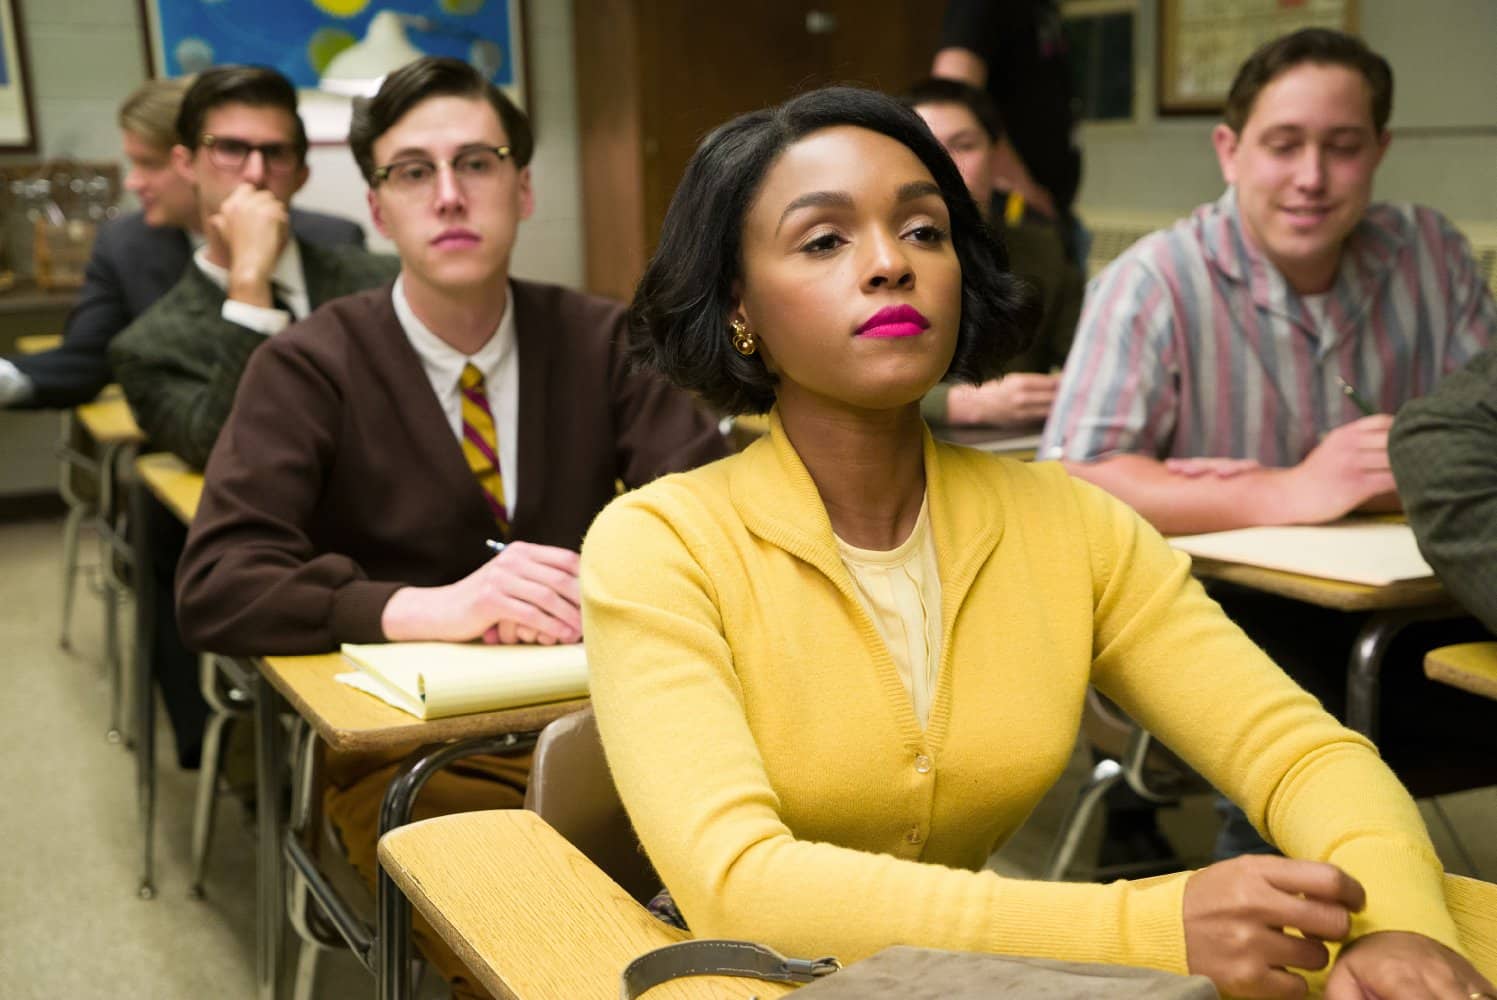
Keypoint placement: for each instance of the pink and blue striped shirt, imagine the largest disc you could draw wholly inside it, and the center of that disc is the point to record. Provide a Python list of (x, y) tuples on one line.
[(1192, 344)]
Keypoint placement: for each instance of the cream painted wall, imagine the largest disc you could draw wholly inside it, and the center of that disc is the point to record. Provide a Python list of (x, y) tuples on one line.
[(1444, 76), (85, 55)]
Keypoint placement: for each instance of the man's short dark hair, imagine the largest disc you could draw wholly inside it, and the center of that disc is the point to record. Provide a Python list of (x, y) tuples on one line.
[(940, 90), (1321, 47), (679, 318), (432, 76), (256, 86)]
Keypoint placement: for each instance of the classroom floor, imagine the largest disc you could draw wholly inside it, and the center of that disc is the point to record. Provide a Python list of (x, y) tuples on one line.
[(70, 921)]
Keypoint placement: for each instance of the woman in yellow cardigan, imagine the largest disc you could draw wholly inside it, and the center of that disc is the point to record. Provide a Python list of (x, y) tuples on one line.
[(834, 672)]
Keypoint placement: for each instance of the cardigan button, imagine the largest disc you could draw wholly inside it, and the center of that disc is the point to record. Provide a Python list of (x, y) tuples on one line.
[(914, 836), (922, 764)]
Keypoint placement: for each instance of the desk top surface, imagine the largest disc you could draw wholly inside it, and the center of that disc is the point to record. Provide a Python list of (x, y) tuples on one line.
[(36, 343), (1471, 666), (1021, 443), (540, 921), (172, 482), (109, 421), (1338, 595), (352, 721)]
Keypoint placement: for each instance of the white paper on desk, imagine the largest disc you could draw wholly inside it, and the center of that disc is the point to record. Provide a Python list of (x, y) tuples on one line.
[(1375, 554), (432, 680), (1024, 442)]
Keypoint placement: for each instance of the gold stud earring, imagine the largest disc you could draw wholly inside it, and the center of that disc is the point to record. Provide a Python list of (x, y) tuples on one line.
[(744, 342)]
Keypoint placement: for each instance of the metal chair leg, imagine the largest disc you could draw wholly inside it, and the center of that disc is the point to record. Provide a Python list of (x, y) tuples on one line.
[(307, 958), (110, 600), (142, 685), (205, 810), (1106, 774), (228, 704), (70, 529)]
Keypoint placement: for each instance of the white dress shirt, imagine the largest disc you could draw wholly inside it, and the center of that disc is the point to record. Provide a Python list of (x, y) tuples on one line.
[(499, 363), (286, 282)]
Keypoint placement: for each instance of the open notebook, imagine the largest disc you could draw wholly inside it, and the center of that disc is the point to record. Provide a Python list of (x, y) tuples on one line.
[(432, 680), (1369, 552)]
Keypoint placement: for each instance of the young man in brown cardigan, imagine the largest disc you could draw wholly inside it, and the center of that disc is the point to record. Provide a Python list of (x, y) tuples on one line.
[(373, 449)]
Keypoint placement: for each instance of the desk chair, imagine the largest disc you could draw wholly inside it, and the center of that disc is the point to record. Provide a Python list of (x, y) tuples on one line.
[(570, 787), (572, 884), (1149, 767), (573, 791)]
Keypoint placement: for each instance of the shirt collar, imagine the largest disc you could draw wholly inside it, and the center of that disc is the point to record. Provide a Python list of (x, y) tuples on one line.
[(443, 362)]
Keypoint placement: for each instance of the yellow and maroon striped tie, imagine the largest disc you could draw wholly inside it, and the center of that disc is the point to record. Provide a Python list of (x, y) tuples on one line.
[(481, 444)]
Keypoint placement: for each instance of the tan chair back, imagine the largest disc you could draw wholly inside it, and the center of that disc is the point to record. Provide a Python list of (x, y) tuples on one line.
[(572, 790)]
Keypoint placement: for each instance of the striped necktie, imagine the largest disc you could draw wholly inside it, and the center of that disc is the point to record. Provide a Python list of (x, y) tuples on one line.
[(481, 444)]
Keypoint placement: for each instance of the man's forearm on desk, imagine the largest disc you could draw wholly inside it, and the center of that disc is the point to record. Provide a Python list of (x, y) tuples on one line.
[(1182, 505)]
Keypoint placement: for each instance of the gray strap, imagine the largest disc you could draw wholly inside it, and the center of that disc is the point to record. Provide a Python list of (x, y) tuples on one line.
[(718, 958)]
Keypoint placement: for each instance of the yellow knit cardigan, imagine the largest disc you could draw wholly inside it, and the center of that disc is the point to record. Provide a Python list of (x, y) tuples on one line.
[(775, 771)]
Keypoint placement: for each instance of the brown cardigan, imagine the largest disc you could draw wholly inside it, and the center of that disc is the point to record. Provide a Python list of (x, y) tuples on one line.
[(337, 479)]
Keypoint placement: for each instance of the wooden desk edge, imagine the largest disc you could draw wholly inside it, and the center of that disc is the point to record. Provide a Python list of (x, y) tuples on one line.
[(1470, 666), (109, 421), (36, 343), (404, 730), (172, 482), (579, 908), (1337, 595)]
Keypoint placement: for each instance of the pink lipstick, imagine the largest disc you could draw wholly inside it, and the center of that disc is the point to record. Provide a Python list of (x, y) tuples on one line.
[(895, 321)]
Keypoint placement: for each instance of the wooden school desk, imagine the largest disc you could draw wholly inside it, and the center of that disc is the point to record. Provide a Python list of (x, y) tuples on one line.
[(538, 922), (111, 426), (1020, 444), (352, 721), (535, 919), (1470, 666), (36, 343), (179, 489)]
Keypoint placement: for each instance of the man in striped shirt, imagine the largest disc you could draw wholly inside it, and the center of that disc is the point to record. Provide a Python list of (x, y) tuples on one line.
[(1242, 367), (1207, 382)]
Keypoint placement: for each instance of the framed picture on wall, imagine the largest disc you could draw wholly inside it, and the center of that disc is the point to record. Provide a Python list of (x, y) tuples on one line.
[(1203, 42), (17, 122), (310, 40)]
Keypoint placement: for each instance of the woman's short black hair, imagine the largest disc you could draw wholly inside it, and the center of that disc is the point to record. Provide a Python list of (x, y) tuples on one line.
[(679, 318)]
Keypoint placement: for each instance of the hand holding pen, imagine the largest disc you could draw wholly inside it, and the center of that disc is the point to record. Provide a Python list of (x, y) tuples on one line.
[(1357, 399)]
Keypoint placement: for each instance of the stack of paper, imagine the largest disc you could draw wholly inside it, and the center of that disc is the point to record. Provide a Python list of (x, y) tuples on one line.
[(1371, 553), (432, 680)]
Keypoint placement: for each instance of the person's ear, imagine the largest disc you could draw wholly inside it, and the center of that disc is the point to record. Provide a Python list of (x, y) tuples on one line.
[(735, 304), (376, 215), (1226, 142), (182, 163), (1383, 140), (526, 194)]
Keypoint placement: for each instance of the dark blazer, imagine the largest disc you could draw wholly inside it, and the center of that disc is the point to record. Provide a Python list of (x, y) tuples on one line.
[(132, 266), (338, 479), (180, 362)]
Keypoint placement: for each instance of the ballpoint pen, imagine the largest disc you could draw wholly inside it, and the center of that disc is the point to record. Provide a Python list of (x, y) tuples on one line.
[(1367, 408), (495, 546)]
